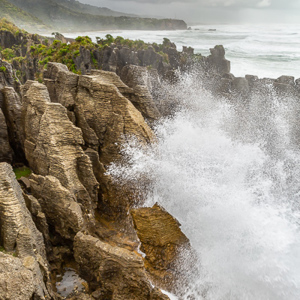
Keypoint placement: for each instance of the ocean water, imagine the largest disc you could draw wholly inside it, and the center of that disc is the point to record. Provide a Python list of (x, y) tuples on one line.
[(230, 174), (262, 50)]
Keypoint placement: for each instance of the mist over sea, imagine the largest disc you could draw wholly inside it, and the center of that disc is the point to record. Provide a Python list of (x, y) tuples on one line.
[(262, 50)]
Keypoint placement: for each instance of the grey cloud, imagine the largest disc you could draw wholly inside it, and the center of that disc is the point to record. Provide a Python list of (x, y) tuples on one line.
[(210, 11), (244, 3)]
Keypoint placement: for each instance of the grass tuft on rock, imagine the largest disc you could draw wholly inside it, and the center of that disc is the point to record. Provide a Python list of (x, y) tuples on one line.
[(22, 172)]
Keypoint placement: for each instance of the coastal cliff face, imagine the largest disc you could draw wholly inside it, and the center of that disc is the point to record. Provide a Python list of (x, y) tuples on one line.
[(69, 211)]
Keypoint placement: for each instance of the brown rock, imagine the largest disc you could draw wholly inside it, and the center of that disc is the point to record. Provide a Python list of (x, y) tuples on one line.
[(107, 120), (14, 214), (12, 110), (162, 241), (217, 60), (28, 274), (116, 272), (138, 79), (61, 84), (5, 149), (53, 146), (110, 116), (105, 116), (66, 186), (16, 281), (59, 205)]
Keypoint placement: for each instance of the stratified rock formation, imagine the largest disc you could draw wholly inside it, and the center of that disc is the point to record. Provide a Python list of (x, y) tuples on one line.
[(138, 78), (107, 119), (68, 131), (119, 272), (5, 150), (25, 276), (53, 149)]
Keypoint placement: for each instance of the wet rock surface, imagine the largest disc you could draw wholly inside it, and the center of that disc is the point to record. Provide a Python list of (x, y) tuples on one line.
[(162, 241)]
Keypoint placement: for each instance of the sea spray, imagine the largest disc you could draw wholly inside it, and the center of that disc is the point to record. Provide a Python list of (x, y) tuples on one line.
[(229, 172)]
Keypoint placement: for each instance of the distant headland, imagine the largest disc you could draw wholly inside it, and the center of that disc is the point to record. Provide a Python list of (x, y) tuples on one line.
[(65, 15)]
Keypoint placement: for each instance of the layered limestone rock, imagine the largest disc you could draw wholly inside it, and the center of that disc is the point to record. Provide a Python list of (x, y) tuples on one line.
[(27, 276), (105, 116), (113, 273), (114, 79), (14, 215), (138, 79), (60, 206), (70, 132), (12, 110), (66, 185), (5, 149), (107, 119), (10, 107), (162, 241), (62, 84), (103, 112), (16, 280), (115, 57)]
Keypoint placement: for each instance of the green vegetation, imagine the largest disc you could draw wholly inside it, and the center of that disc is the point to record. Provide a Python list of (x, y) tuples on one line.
[(4, 251), (41, 50), (67, 53), (22, 172), (62, 52), (5, 24), (8, 54), (3, 69)]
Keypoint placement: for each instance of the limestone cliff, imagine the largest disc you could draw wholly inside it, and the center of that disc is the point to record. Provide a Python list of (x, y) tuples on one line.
[(70, 211)]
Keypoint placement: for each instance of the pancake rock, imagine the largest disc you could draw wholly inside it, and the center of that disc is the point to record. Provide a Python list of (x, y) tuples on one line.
[(12, 106), (66, 185), (5, 149), (138, 79), (115, 273), (27, 275), (107, 120)]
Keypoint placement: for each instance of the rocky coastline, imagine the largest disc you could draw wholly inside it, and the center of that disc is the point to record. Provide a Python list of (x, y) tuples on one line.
[(59, 132)]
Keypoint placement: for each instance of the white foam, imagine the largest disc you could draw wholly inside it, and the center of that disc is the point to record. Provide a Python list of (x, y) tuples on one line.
[(171, 296), (230, 175)]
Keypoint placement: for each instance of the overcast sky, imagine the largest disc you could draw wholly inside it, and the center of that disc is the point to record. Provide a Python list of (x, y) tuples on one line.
[(211, 11)]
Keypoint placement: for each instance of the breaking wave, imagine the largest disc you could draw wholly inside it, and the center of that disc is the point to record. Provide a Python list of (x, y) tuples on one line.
[(229, 171)]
